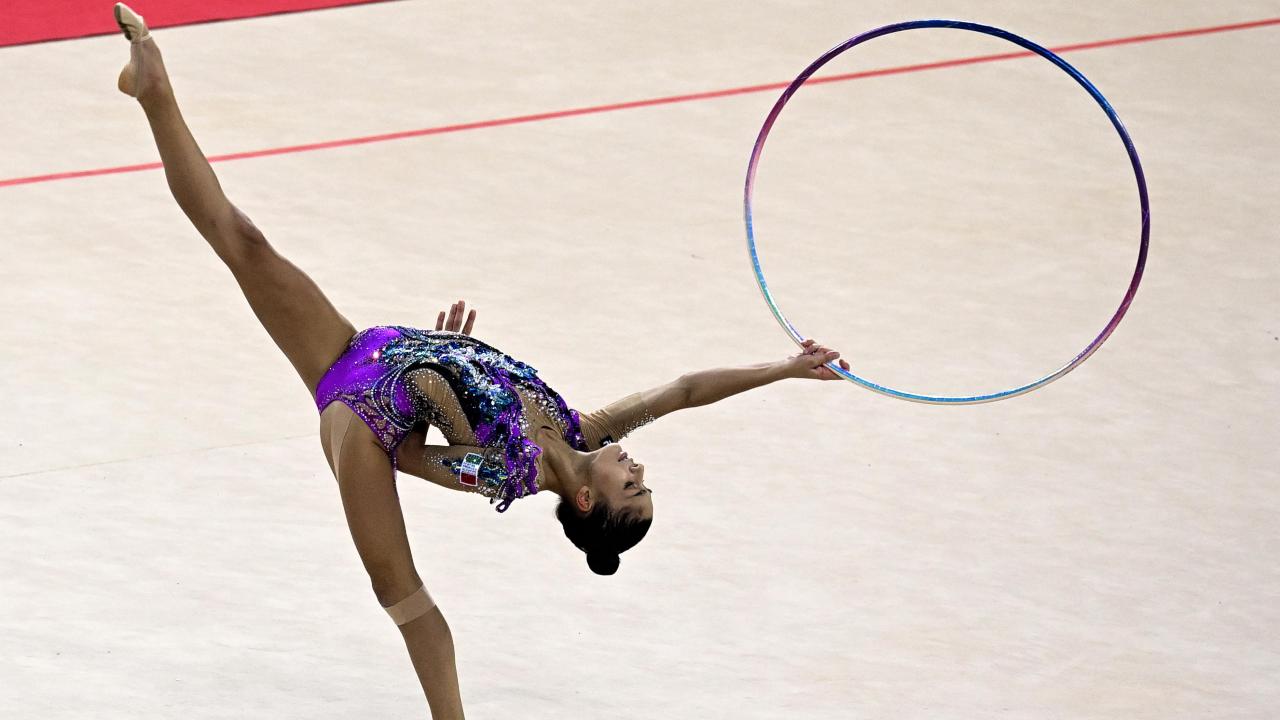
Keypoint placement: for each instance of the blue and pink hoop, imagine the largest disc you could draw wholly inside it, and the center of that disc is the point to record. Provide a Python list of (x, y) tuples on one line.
[(1023, 42)]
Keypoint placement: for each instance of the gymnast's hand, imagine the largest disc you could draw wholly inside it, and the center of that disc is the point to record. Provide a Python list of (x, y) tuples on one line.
[(812, 362), (415, 440), (454, 323)]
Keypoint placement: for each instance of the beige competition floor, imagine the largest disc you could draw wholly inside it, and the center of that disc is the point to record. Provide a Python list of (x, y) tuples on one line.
[(172, 544)]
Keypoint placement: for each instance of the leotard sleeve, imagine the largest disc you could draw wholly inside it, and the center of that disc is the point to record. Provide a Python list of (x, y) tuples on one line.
[(462, 464), (437, 405), (458, 467), (615, 421)]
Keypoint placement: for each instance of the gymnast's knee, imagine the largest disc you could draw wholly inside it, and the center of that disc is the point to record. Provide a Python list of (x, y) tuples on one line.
[(244, 242), (404, 608), (244, 228)]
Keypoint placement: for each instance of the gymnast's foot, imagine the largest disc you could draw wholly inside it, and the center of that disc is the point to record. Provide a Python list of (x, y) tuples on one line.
[(144, 76)]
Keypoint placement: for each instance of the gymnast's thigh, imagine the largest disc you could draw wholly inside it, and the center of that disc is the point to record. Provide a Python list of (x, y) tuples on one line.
[(367, 485), (335, 423), (297, 315)]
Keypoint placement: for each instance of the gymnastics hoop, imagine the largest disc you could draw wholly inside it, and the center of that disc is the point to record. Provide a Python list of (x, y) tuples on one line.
[(1017, 40)]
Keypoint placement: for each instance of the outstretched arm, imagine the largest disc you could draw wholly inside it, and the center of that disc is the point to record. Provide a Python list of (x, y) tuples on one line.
[(708, 386), (618, 419)]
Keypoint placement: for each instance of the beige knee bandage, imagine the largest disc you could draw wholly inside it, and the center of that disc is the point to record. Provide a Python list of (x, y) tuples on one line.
[(412, 607)]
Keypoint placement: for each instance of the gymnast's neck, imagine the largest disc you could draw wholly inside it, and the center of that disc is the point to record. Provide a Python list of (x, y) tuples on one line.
[(564, 470)]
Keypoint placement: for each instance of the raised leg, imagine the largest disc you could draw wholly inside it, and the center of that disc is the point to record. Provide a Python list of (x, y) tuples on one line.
[(292, 309), (372, 507)]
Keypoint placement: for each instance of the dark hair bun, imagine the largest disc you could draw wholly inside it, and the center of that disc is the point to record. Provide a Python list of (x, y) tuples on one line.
[(600, 534), (603, 563)]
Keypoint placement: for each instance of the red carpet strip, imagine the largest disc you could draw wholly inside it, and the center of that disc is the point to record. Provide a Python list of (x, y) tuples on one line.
[(33, 21)]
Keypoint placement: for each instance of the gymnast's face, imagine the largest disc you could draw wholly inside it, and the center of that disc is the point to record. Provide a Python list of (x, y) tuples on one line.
[(619, 481)]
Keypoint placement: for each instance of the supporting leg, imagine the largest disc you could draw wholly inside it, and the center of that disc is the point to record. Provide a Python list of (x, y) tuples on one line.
[(372, 507)]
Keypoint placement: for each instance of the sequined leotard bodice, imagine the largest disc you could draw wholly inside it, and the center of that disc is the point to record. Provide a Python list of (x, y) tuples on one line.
[(398, 379)]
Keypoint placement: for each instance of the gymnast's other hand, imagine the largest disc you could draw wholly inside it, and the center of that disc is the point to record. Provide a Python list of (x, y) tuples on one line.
[(812, 361), (454, 322)]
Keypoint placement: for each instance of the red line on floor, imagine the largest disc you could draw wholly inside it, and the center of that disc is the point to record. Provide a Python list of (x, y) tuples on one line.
[(668, 100)]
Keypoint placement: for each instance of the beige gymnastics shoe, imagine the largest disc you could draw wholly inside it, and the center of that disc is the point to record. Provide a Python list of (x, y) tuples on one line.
[(131, 24), (144, 73)]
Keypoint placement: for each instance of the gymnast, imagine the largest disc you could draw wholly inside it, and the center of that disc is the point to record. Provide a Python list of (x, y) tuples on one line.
[(509, 434)]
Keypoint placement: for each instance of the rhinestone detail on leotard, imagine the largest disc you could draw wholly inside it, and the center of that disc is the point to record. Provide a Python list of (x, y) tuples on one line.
[(488, 384)]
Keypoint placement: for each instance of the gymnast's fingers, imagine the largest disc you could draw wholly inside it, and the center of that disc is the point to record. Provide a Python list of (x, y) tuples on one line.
[(471, 320), (440, 321), (815, 361), (820, 369), (452, 324), (457, 320), (829, 374)]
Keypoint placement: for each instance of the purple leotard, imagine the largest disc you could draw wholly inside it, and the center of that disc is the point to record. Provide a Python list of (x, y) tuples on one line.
[(370, 377)]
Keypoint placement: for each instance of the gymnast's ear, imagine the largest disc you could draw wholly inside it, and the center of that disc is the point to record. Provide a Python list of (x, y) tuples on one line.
[(584, 499)]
